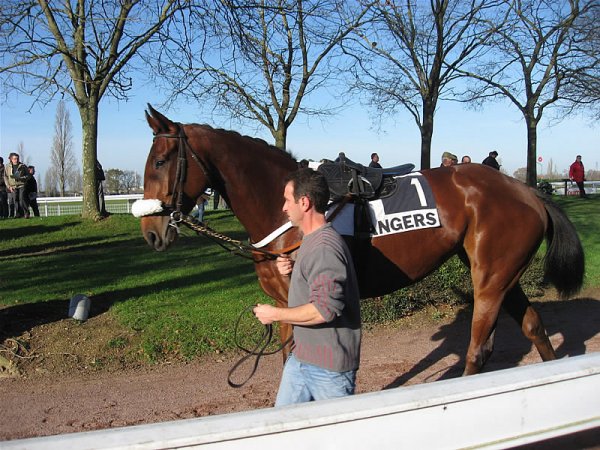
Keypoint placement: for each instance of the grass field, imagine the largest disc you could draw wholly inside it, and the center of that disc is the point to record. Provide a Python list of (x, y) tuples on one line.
[(181, 302)]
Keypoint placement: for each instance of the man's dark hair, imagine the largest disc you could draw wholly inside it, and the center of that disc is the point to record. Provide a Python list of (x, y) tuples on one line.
[(373, 155), (312, 184), (31, 167), (13, 154)]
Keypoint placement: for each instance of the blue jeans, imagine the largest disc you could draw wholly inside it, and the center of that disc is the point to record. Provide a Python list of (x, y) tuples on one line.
[(302, 382)]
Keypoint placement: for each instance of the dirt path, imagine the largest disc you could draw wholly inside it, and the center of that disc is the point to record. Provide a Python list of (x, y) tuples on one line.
[(417, 350)]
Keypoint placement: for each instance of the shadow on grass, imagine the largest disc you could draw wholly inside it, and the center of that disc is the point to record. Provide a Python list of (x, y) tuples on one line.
[(30, 230), (15, 320), (576, 320), (65, 246)]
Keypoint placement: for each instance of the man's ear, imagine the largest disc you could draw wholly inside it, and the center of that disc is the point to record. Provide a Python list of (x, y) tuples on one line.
[(306, 203)]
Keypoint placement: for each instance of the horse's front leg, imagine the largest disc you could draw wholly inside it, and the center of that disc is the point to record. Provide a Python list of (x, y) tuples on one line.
[(277, 286), (285, 333)]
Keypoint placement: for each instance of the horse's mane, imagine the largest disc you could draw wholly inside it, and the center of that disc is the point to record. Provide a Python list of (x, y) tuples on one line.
[(256, 140)]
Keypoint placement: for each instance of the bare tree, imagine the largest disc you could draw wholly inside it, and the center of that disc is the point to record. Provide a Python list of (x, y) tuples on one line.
[(262, 60), (76, 181), (521, 174), (409, 58), (62, 159), (23, 157), (114, 181), (51, 184), (83, 49), (130, 181), (535, 55), (583, 88)]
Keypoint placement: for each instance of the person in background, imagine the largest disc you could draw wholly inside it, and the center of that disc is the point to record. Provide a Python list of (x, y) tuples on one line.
[(100, 189), (577, 174), (323, 300), (466, 159), (216, 199), (15, 177), (201, 205), (3, 192), (375, 161), (491, 160), (31, 190), (448, 159)]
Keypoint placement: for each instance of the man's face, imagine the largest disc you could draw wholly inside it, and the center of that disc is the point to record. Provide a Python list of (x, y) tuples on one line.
[(14, 159), (293, 209), (376, 158)]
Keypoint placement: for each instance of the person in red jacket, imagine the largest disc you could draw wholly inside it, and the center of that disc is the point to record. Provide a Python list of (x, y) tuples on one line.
[(577, 174)]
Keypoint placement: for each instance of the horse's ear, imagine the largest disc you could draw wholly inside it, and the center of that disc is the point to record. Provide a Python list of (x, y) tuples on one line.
[(159, 123)]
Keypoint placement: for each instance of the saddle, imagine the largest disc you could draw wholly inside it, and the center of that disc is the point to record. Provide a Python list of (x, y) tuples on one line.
[(348, 177)]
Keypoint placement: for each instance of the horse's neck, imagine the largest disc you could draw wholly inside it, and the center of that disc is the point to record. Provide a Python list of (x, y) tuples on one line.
[(254, 186)]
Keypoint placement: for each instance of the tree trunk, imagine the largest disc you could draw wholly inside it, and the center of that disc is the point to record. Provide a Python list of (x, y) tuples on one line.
[(426, 135), (89, 125), (280, 136), (531, 153)]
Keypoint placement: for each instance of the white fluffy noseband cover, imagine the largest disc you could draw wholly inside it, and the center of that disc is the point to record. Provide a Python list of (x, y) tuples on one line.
[(146, 207)]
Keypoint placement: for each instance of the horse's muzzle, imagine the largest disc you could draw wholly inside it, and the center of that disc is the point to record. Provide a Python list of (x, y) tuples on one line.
[(159, 232)]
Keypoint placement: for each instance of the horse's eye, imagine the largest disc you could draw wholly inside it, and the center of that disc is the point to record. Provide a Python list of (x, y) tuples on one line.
[(158, 163)]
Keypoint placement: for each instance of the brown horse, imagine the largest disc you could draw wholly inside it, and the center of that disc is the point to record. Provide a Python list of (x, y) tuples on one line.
[(493, 222)]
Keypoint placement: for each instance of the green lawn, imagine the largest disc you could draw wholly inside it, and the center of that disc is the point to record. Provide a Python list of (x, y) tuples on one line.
[(183, 301), (585, 215)]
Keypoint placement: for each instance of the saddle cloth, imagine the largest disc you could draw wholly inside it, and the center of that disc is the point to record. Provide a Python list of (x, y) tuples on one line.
[(409, 206)]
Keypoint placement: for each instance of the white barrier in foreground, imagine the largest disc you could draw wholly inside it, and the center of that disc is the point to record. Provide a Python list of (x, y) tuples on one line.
[(494, 410)]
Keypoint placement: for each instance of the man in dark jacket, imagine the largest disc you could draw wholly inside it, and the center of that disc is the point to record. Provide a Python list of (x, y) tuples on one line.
[(3, 193), (491, 160), (100, 189), (375, 161), (31, 190)]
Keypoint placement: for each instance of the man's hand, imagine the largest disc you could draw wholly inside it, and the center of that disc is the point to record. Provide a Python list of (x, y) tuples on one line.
[(284, 264), (265, 313)]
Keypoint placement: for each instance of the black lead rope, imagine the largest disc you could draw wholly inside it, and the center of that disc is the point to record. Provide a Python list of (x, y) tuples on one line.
[(259, 350)]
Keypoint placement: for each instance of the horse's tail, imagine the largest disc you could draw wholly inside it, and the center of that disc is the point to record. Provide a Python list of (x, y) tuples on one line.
[(564, 264)]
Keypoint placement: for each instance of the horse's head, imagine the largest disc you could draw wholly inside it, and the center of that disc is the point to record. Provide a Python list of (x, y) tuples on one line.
[(172, 182)]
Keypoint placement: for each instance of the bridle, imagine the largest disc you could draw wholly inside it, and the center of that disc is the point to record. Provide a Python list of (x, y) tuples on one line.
[(174, 208)]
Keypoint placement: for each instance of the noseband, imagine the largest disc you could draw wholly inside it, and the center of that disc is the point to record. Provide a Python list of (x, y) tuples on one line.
[(174, 208)]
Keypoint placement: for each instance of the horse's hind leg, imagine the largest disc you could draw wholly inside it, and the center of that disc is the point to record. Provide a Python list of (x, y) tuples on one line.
[(483, 329), (518, 307)]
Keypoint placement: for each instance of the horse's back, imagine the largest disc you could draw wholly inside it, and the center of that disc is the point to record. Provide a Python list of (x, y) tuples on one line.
[(481, 212)]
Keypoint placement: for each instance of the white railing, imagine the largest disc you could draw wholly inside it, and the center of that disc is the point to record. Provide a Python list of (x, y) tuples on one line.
[(63, 206), (115, 204), (567, 187), (496, 410)]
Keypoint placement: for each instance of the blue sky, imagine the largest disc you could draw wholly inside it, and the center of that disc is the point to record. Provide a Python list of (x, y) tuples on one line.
[(125, 138)]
